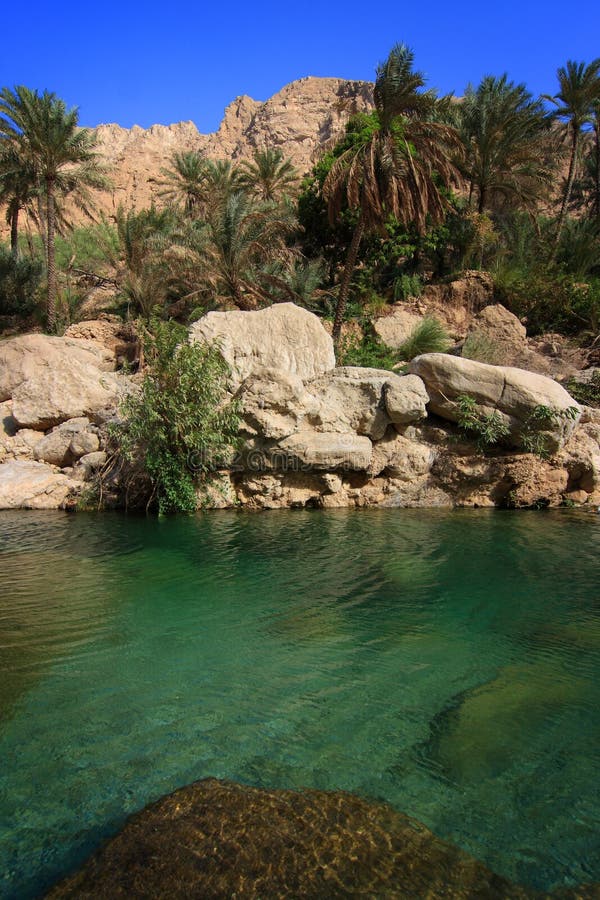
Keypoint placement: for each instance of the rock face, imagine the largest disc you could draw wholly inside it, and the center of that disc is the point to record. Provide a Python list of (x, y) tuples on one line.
[(283, 337), (73, 390), (194, 843), (513, 393), (32, 485), (301, 119), (394, 329), (37, 355)]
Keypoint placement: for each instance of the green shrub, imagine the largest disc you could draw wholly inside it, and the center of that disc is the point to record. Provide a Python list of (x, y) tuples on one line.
[(429, 336), (587, 394), (367, 351), (406, 286), (487, 428), (180, 426), (542, 418), (20, 281), (480, 347)]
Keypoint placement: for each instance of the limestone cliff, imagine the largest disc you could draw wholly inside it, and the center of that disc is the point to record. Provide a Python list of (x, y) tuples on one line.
[(300, 120)]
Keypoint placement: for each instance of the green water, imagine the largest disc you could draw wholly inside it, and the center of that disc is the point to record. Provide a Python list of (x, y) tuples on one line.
[(446, 662)]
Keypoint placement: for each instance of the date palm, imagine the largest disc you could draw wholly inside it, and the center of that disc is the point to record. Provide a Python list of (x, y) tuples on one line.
[(579, 85), (63, 157), (398, 162), (18, 188), (505, 134), (269, 176), (183, 183)]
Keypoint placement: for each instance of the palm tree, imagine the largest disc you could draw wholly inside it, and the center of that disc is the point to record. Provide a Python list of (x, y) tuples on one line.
[(242, 239), (397, 164), (18, 188), (270, 176), (184, 181), (506, 147), (579, 90), (62, 155)]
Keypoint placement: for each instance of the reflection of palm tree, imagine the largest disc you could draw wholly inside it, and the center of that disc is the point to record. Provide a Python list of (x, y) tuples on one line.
[(270, 176), (62, 155), (397, 163), (579, 90), (505, 136)]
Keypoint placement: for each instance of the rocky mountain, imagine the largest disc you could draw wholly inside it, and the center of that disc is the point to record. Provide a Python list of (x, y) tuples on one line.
[(301, 119)]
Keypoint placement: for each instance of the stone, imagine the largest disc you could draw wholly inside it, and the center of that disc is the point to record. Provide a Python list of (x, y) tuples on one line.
[(351, 400), (38, 355), (274, 403), (314, 844), (324, 450), (284, 337), (53, 448), (25, 484), (499, 335), (83, 443), (64, 392), (395, 328), (91, 462), (401, 458), (8, 426), (406, 399), (513, 393)]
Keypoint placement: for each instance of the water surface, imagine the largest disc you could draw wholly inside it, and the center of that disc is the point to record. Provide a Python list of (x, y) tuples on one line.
[(447, 662)]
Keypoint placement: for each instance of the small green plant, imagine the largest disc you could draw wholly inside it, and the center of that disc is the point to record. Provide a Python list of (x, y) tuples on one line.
[(480, 347), (487, 428), (429, 336), (406, 286), (542, 418), (20, 282), (586, 393), (367, 351), (181, 425)]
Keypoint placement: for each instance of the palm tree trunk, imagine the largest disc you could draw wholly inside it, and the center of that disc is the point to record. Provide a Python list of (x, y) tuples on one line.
[(50, 258), (568, 189), (14, 232), (340, 308), (597, 170), (482, 200)]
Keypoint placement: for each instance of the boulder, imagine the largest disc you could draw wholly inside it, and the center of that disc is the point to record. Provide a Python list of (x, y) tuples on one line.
[(67, 442), (496, 336), (32, 485), (91, 462), (37, 355), (64, 392), (514, 393), (394, 329), (401, 458), (323, 450), (8, 426), (284, 337), (274, 404), (406, 399)]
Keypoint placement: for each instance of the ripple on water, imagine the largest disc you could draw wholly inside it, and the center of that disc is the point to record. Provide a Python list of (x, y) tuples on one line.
[(445, 662)]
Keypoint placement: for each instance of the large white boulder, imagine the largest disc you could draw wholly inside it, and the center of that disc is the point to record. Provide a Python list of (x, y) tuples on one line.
[(283, 336), (513, 393), (32, 485), (65, 392), (36, 355), (320, 450)]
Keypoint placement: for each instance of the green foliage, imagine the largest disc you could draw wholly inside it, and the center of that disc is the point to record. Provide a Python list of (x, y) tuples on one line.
[(406, 286), (20, 284), (367, 351), (181, 425), (88, 248), (587, 394), (542, 418), (550, 300), (429, 336), (480, 347), (487, 428)]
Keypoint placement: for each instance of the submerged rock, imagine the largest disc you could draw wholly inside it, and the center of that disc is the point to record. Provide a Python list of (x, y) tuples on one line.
[(218, 839)]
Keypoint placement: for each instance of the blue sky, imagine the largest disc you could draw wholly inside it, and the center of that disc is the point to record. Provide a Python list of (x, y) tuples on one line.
[(131, 62)]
